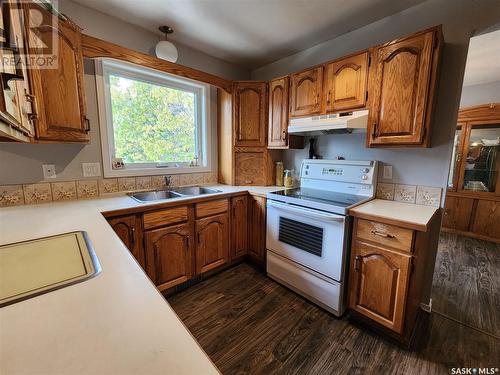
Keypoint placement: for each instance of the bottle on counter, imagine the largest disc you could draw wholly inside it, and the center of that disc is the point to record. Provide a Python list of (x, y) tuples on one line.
[(288, 178), (279, 173)]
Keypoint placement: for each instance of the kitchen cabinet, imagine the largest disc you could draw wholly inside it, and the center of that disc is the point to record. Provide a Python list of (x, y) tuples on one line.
[(390, 273), (212, 248), (243, 155), (346, 83), (169, 255), (278, 136), (257, 229), (379, 285), (16, 120), (402, 86), (474, 180), (250, 114), (129, 230), (306, 90), (239, 227), (458, 213), (57, 94)]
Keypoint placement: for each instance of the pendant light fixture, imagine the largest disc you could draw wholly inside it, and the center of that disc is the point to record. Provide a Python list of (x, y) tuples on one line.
[(166, 50)]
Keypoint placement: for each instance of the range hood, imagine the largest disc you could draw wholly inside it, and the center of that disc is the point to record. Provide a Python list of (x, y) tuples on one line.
[(344, 122)]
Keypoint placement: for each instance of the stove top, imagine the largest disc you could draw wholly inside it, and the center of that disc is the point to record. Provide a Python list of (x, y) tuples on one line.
[(332, 185), (322, 196)]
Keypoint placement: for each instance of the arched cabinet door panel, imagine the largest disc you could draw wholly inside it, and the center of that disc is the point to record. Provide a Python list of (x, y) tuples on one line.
[(212, 248), (250, 114), (379, 283), (278, 112), (129, 229), (306, 89), (346, 83), (58, 92), (169, 255), (402, 90)]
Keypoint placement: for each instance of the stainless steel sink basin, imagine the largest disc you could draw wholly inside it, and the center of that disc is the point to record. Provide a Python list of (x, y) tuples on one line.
[(195, 190), (149, 196)]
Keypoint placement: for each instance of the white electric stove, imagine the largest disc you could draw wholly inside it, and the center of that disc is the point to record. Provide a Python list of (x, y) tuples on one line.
[(308, 230)]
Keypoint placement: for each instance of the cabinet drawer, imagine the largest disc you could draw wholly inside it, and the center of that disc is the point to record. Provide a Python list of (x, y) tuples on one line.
[(211, 208), (385, 234), (165, 217)]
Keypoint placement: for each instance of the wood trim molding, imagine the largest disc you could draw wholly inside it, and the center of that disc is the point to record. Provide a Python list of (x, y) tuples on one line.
[(94, 48), (483, 112)]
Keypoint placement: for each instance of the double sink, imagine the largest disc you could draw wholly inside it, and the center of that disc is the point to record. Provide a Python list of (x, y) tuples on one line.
[(192, 191)]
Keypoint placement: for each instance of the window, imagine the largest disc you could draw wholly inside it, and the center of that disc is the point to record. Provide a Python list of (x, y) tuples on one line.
[(152, 121)]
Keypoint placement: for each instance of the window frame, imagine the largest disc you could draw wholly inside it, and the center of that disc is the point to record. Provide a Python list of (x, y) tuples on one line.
[(204, 135)]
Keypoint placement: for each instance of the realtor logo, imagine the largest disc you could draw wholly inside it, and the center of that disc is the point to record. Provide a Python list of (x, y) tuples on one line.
[(29, 34)]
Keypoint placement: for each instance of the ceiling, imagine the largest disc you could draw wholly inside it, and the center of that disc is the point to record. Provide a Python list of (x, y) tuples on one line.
[(251, 33), (483, 59)]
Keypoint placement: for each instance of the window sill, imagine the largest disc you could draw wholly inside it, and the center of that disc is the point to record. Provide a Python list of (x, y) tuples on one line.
[(133, 172)]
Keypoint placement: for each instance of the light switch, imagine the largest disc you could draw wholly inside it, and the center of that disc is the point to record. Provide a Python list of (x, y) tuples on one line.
[(387, 172), (49, 171), (91, 169)]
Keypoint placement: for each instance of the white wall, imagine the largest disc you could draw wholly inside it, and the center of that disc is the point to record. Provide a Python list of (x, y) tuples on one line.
[(480, 94), (460, 19), (22, 163)]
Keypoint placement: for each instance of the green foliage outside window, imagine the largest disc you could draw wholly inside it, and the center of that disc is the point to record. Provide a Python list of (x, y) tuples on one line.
[(152, 123)]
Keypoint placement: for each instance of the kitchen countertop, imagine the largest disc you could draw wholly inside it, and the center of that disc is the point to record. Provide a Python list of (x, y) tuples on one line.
[(115, 323), (412, 216)]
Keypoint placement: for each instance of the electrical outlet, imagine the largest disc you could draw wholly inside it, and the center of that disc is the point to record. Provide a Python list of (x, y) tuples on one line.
[(49, 171), (91, 169), (387, 172)]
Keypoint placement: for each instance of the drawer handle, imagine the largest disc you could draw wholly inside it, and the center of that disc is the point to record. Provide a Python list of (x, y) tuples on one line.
[(381, 234)]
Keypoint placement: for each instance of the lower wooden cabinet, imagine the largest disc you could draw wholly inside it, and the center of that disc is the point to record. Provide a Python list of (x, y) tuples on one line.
[(169, 255), (129, 229), (239, 227), (212, 248), (257, 229), (379, 282), (473, 217)]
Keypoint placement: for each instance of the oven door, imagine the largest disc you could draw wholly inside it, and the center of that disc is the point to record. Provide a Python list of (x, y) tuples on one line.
[(312, 238)]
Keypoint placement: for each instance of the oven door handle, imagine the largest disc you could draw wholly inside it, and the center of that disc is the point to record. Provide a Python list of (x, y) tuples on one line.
[(303, 211)]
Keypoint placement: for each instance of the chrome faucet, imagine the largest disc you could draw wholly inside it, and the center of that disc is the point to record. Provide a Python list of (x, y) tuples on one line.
[(168, 181)]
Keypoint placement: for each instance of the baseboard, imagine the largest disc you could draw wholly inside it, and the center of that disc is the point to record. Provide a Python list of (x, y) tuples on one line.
[(427, 307)]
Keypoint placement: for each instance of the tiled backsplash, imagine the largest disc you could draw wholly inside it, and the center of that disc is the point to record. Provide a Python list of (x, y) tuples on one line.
[(15, 195), (422, 195)]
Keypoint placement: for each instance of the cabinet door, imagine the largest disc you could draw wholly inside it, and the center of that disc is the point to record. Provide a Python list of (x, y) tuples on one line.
[(212, 248), (128, 228), (278, 112), (58, 92), (239, 225), (457, 213), (379, 282), (257, 229), (305, 92), (487, 218), (250, 114), (346, 83), (250, 167), (169, 255), (402, 91)]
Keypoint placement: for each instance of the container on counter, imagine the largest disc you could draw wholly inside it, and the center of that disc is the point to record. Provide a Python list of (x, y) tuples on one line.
[(279, 173), (289, 180)]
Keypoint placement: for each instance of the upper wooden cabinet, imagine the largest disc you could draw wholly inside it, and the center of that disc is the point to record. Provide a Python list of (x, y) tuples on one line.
[(250, 114), (169, 255), (402, 88), (58, 93), (346, 83), (278, 136), (306, 89)]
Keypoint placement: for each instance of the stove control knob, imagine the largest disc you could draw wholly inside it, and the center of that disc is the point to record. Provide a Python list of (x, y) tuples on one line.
[(364, 177), (365, 170)]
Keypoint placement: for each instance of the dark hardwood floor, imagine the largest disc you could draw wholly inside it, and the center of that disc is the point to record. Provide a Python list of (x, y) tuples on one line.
[(248, 324), (466, 284)]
